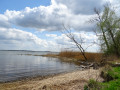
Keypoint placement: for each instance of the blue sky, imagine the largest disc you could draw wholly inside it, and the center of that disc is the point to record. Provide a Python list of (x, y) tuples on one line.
[(21, 4), (37, 24)]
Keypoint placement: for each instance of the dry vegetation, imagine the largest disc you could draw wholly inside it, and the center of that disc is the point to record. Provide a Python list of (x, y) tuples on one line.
[(78, 56)]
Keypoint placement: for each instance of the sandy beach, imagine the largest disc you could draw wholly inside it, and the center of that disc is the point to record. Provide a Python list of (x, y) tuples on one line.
[(67, 81)]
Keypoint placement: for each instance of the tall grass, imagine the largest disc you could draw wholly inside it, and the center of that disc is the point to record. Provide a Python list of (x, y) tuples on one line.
[(77, 55)]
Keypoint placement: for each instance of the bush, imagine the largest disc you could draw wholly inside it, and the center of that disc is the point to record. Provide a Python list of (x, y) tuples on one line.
[(112, 77), (92, 84)]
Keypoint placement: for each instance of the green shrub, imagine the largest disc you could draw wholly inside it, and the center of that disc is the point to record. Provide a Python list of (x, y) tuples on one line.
[(110, 84), (92, 84)]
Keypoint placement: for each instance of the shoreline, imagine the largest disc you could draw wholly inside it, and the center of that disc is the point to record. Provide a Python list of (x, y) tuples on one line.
[(62, 80), (40, 77), (69, 80)]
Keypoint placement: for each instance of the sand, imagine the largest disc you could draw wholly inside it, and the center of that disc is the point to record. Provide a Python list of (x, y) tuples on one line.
[(68, 81)]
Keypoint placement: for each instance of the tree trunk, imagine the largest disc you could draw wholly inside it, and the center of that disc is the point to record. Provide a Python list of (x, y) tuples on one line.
[(104, 36), (115, 44)]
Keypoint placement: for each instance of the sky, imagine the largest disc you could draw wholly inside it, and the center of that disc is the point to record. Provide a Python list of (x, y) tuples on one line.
[(37, 24)]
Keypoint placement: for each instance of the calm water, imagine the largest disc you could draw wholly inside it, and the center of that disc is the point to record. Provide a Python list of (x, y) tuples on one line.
[(15, 65)]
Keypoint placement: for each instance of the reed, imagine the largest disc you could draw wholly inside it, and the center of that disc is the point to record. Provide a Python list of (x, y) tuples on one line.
[(77, 55)]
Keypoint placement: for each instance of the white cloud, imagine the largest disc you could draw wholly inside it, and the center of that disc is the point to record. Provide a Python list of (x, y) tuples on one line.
[(17, 39), (71, 13), (65, 43), (48, 17), (42, 18), (82, 6), (51, 35), (74, 13), (11, 38), (4, 21)]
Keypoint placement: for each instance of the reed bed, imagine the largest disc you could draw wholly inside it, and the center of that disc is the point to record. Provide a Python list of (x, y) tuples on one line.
[(77, 55)]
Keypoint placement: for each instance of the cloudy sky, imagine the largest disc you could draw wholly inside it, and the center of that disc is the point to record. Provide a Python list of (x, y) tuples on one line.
[(37, 24)]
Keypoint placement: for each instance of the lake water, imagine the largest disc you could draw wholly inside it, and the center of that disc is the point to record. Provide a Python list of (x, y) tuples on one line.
[(18, 64)]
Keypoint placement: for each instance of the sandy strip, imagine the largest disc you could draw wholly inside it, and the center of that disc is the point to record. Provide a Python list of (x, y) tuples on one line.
[(68, 81)]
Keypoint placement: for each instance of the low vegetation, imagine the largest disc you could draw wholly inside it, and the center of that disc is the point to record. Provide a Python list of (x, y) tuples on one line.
[(78, 56), (111, 77)]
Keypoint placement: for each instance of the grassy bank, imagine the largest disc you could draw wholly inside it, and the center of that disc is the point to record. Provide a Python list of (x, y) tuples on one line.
[(111, 77)]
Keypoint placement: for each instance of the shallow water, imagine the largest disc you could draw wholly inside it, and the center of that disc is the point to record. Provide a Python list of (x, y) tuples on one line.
[(17, 64)]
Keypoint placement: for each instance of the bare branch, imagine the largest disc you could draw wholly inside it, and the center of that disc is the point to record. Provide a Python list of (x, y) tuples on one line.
[(70, 35)]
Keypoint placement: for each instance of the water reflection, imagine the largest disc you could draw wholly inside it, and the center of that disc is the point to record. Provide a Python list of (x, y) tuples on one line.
[(16, 66)]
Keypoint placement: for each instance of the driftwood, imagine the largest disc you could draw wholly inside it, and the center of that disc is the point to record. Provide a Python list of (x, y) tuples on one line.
[(116, 65), (93, 65)]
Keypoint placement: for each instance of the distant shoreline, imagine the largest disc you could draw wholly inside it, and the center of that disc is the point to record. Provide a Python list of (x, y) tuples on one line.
[(25, 50)]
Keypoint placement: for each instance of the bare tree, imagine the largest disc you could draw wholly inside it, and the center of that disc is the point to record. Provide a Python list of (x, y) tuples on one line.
[(70, 35)]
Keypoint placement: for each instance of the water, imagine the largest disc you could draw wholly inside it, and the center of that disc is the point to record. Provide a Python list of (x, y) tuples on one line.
[(18, 64)]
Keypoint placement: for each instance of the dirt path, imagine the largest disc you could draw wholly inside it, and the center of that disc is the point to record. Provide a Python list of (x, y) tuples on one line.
[(69, 81)]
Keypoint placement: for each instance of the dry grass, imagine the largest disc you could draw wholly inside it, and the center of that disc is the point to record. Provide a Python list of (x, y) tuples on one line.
[(77, 55), (50, 55)]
